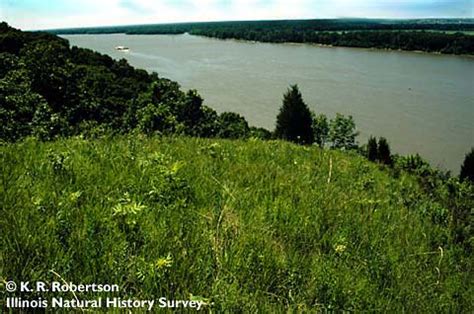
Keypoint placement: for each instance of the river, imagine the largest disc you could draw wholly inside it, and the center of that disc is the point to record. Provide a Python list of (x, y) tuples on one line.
[(422, 103)]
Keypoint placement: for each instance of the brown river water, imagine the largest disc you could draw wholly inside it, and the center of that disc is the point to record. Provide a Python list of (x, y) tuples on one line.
[(422, 103)]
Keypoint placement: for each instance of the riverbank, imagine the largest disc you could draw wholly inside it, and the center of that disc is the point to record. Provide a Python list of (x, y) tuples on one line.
[(471, 56)]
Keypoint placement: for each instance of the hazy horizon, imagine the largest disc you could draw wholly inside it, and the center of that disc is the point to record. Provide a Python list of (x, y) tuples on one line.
[(36, 14), (257, 20)]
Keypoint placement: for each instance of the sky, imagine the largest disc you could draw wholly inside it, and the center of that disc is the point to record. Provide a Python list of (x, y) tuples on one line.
[(47, 14)]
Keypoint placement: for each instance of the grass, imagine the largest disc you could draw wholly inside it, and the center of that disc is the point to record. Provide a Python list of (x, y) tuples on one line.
[(251, 226)]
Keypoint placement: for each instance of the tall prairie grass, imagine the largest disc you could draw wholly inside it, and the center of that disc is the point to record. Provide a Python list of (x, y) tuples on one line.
[(250, 226)]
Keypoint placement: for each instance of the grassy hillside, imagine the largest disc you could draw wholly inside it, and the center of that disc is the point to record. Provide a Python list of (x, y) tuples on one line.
[(249, 225)]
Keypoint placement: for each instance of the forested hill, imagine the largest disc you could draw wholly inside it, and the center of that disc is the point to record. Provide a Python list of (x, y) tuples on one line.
[(48, 90), (450, 36)]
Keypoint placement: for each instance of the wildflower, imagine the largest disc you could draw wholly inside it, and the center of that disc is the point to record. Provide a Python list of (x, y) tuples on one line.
[(340, 248), (163, 262), (74, 197)]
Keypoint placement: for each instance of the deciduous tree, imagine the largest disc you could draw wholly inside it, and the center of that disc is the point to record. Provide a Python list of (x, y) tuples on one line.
[(320, 129), (342, 132)]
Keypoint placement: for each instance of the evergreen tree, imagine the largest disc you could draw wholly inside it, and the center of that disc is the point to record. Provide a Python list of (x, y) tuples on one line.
[(372, 150), (467, 168), (383, 152), (294, 122)]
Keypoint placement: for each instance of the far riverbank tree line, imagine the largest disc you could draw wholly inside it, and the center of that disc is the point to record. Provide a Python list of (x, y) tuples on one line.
[(450, 36), (50, 90)]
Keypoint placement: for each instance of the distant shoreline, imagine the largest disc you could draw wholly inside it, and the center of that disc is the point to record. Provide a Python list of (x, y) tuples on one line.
[(470, 56), (446, 36)]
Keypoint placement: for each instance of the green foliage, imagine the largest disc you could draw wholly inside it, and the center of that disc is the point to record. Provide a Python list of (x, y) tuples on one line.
[(260, 133), (8, 62), (48, 89), (233, 125), (249, 226), (320, 130), (157, 119), (209, 124), (46, 124), (369, 36), (294, 121), (49, 70), (467, 168), (380, 152), (459, 198), (456, 198), (383, 152), (190, 112), (414, 164), (18, 105), (342, 132), (372, 149)]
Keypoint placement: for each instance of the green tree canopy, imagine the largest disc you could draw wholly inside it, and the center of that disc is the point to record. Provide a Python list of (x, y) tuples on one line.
[(467, 168), (233, 125), (320, 129), (18, 104), (342, 133)]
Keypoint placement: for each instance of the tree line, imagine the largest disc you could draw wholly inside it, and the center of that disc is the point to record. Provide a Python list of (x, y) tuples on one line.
[(344, 24), (428, 41)]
